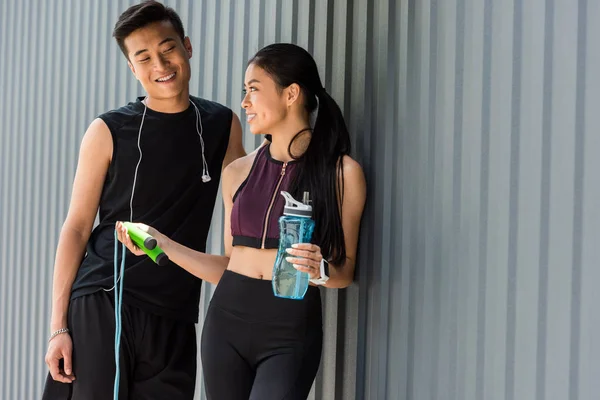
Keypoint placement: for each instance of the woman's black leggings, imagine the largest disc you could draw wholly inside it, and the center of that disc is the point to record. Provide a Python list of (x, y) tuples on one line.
[(256, 346)]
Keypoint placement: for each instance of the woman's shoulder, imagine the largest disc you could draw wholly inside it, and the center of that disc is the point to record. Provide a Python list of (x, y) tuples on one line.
[(354, 185), (350, 166), (241, 165), (352, 175), (237, 171), (349, 162)]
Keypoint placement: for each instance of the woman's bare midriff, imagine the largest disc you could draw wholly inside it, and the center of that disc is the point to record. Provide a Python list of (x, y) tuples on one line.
[(255, 263)]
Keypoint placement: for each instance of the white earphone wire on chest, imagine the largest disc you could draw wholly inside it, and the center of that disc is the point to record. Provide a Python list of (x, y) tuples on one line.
[(205, 175)]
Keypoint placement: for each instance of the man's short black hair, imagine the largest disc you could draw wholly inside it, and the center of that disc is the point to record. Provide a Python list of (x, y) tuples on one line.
[(140, 15)]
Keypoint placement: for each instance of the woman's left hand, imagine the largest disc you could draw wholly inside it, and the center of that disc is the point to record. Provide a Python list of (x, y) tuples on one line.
[(307, 258)]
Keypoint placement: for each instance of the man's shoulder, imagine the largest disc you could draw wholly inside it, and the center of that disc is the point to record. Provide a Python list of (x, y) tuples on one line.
[(120, 116)]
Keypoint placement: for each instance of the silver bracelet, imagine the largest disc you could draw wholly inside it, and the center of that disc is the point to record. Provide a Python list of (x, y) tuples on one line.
[(58, 332)]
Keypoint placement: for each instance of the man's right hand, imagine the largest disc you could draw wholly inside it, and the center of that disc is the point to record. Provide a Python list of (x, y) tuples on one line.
[(60, 348)]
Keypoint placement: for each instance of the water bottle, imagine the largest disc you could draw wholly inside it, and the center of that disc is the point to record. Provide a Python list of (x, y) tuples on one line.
[(295, 226)]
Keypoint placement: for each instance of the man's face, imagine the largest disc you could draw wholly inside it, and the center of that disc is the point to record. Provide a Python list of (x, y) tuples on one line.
[(160, 60)]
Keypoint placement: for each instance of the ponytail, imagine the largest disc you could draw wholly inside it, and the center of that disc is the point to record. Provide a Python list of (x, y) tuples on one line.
[(321, 174)]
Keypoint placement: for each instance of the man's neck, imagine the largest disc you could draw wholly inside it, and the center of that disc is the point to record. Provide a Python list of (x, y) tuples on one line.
[(169, 106)]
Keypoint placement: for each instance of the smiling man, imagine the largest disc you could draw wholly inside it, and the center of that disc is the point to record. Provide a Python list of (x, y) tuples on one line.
[(156, 160)]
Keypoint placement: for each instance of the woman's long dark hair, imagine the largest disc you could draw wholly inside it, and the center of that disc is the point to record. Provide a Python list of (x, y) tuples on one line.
[(320, 167)]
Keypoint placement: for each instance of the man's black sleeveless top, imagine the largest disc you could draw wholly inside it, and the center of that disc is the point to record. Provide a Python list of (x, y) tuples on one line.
[(169, 195)]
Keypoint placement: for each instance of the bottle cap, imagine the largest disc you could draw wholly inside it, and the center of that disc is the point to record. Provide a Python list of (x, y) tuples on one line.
[(296, 208)]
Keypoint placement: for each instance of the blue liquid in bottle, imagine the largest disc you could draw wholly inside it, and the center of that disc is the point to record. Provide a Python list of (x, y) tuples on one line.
[(295, 226)]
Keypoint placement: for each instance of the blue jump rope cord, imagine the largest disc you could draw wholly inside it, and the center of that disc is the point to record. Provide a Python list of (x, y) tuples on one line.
[(118, 302)]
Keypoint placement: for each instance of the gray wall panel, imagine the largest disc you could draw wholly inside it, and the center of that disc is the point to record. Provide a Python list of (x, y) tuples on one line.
[(477, 124), (589, 351)]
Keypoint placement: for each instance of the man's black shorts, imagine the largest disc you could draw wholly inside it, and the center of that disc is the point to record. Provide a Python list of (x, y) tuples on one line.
[(158, 355)]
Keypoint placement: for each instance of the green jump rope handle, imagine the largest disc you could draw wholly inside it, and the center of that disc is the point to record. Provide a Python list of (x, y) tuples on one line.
[(146, 243)]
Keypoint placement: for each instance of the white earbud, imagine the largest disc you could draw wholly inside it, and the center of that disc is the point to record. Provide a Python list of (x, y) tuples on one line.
[(205, 176)]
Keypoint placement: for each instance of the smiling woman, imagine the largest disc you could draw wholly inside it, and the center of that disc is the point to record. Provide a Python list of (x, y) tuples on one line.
[(282, 91)]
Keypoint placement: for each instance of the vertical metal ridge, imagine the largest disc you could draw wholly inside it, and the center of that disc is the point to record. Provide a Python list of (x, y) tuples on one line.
[(217, 35), (103, 58), (432, 238), (15, 178), (58, 118), (413, 77), (46, 129), (589, 357), (513, 199), (278, 23), (206, 87), (385, 114), (20, 125), (4, 203), (30, 283), (578, 193), (362, 273), (229, 90), (261, 25), (201, 46), (328, 61), (370, 211), (311, 23), (395, 232), (459, 40), (345, 105), (28, 346), (37, 307), (457, 368), (47, 227), (400, 296), (93, 42), (295, 21), (545, 202), (483, 202)]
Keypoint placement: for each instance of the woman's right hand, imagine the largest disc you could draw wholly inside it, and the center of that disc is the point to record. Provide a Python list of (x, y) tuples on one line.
[(126, 240)]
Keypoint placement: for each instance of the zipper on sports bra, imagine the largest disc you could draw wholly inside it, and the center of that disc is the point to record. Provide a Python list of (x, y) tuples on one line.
[(266, 225)]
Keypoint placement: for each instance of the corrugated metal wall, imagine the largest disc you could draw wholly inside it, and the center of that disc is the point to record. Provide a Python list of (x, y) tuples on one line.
[(477, 123), (481, 268)]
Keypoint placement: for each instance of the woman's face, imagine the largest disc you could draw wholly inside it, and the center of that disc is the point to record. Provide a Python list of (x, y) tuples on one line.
[(265, 106)]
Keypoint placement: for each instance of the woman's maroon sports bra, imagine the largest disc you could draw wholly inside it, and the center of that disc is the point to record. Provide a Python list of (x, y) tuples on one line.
[(258, 203)]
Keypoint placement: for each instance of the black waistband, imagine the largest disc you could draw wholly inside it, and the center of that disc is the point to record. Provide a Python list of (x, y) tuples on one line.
[(252, 299), (255, 243)]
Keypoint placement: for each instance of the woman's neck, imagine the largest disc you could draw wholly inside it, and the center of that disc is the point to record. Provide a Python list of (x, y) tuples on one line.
[(284, 135)]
